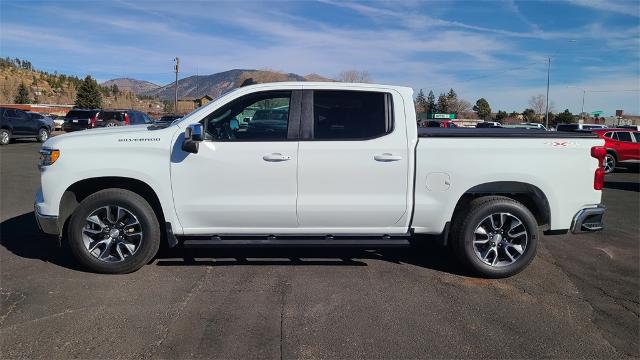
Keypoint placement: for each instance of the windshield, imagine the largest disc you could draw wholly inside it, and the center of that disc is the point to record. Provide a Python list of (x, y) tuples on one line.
[(177, 121)]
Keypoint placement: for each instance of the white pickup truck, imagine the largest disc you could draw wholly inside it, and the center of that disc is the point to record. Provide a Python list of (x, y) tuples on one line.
[(316, 164)]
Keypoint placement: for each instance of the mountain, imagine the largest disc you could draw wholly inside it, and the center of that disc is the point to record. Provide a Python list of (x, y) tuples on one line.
[(133, 85), (219, 83)]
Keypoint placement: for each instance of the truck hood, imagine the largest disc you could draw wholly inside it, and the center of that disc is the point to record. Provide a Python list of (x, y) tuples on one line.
[(119, 134)]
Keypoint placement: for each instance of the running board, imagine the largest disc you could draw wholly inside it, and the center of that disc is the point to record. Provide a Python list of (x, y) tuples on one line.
[(295, 241)]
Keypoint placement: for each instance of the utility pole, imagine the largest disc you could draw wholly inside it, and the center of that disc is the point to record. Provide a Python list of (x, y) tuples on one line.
[(177, 69), (546, 113), (582, 109)]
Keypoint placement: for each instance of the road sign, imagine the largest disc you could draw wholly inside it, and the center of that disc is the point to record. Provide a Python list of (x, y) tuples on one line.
[(442, 116)]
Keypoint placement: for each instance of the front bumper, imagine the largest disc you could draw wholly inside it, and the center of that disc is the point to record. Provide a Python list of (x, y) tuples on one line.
[(47, 223), (588, 219)]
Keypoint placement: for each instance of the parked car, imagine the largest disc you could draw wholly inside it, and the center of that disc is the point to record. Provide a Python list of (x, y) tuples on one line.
[(45, 119), (58, 121), (110, 118), (349, 169), (623, 145), (166, 120), (16, 124), (579, 127), (439, 124), (488, 124), (80, 119), (534, 125)]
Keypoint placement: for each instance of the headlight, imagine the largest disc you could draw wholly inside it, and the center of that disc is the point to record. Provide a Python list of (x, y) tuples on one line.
[(48, 157)]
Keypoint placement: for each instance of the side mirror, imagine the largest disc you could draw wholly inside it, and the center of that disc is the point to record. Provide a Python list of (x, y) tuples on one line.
[(193, 135)]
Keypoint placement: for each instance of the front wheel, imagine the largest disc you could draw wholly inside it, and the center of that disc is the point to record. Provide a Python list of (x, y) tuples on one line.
[(5, 136), (114, 231), (43, 135), (495, 237)]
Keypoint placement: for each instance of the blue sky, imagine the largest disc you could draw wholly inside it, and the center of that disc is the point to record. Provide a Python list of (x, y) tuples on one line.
[(491, 49)]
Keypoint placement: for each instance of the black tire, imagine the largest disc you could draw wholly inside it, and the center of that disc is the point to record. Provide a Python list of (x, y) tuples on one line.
[(5, 136), (611, 160), (468, 219), (112, 123), (133, 202), (43, 135)]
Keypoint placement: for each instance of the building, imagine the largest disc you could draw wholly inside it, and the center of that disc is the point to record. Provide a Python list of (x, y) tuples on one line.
[(186, 105)]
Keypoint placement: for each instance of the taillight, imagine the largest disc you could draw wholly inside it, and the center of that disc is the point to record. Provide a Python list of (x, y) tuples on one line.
[(599, 152), (92, 121), (126, 119)]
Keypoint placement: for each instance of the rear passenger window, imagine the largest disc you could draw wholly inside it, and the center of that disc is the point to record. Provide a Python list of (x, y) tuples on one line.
[(624, 136), (637, 136), (351, 115)]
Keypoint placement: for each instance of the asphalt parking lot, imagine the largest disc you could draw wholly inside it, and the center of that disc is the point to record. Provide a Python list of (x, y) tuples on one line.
[(580, 298)]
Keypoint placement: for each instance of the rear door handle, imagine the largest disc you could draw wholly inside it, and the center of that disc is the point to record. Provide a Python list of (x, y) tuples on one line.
[(386, 157), (276, 157)]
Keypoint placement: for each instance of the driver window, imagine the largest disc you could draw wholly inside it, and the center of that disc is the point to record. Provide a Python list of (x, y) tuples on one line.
[(255, 117)]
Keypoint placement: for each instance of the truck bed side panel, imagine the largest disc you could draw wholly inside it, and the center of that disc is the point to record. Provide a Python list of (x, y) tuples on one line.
[(447, 167)]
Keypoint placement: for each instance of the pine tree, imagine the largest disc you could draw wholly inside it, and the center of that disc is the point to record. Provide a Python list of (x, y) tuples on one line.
[(88, 96), (421, 103), (23, 95), (443, 105), (431, 103), (482, 108)]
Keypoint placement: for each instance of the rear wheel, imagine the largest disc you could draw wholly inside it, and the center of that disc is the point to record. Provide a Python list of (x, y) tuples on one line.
[(114, 231), (495, 237), (43, 135), (609, 163), (112, 123), (5, 136)]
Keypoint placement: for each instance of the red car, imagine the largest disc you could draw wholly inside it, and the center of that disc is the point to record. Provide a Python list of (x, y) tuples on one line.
[(622, 145)]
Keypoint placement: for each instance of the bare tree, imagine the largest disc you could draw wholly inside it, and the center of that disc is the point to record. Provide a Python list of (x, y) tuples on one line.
[(537, 103), (459, 106), (354, 76)]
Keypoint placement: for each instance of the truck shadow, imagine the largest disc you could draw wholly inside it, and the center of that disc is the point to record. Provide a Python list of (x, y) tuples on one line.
[(21, 236)]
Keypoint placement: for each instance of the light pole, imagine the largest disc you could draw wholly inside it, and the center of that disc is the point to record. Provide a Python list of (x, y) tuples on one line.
[(546, 112), (177, 69), (584, 91)]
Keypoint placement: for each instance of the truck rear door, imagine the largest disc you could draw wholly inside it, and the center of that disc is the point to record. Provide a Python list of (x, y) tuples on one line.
[(353, 162)]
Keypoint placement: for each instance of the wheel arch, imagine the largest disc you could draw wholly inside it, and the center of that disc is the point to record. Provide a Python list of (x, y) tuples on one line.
[(79, 190), (613, 152), (529, 195)]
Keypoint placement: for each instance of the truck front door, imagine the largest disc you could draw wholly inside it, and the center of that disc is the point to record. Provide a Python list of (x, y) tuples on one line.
[(353, 163), (243, 179)]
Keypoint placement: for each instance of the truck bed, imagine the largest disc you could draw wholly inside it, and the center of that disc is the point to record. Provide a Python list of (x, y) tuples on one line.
[(452, 162)]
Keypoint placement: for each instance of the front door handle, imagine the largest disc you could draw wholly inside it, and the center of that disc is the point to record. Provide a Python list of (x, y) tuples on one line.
[(386, 157), (276, 157)]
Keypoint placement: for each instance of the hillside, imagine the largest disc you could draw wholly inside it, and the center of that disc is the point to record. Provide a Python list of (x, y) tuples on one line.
[(219, 83), (133, 85)]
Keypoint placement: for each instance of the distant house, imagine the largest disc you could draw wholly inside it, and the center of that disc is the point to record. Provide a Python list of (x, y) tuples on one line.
[(186, 105)]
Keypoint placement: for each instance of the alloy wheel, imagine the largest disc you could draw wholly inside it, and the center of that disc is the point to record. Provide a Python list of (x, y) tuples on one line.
[(43, 135), (500, 239), (609, 163), (112, 233), (4, 137)]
